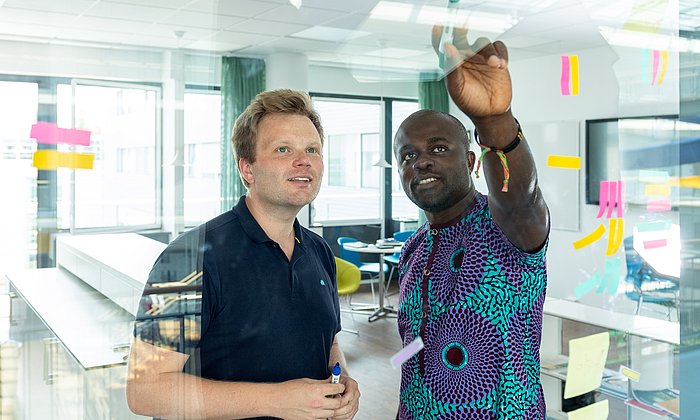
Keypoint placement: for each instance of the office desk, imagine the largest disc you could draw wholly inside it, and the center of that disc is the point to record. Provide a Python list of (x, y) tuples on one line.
[(382, 311)]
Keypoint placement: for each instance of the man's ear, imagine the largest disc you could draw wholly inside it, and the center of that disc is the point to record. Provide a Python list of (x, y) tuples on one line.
[(244, 167), (471, 159)]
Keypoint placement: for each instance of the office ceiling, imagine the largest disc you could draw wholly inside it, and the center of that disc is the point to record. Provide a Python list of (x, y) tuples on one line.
[(361, 33)]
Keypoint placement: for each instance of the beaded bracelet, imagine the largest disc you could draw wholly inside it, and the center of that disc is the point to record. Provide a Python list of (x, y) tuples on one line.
[(501, 153)]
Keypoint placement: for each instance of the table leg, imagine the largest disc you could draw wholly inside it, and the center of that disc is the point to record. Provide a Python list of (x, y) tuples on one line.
[(382, 311)]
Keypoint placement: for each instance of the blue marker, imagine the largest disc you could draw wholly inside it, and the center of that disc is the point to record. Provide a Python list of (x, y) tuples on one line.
[(335, 378)]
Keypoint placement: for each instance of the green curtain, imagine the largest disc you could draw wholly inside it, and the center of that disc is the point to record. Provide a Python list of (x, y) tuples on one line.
[(432, 93), (241, 80)]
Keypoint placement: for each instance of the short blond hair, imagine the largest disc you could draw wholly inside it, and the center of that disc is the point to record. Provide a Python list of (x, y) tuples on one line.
[(280, 101)]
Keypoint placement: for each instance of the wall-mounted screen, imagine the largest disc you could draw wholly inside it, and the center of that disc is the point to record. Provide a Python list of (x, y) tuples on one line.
[(656, 158)]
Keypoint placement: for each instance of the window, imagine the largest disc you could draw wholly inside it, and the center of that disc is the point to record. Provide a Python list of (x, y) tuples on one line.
[(122, 188), (202, 156), (402, 207), (350, 189), (19, 103)]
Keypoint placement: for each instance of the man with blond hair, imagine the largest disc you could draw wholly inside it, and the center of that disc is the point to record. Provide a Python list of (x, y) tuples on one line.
[(240, 315)]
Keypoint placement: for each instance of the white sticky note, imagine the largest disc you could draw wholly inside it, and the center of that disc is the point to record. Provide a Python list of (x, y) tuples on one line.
[(587, 358), (407, 352)]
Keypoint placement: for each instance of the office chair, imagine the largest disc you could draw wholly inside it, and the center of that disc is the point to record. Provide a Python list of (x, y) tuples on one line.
[(647, 285), (393, 259), (371, 269), (348, 277)]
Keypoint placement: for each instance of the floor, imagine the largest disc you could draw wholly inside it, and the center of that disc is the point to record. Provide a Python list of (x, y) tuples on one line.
[(367, 355)]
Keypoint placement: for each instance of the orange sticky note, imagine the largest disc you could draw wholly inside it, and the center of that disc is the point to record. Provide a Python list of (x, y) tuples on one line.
[(48, 160)]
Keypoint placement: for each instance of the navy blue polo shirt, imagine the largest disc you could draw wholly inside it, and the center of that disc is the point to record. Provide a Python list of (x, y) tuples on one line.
[(263, 318)]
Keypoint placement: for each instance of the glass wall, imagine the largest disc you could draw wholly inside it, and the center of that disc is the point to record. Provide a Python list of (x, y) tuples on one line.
[(114, 134)]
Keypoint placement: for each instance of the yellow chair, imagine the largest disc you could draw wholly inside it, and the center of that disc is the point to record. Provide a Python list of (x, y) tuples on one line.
[(348, 277)]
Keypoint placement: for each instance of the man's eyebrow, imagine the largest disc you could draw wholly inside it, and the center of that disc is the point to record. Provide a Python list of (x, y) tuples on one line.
[(432, 140)]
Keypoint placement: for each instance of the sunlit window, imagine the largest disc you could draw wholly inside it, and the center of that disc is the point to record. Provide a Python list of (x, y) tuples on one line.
[(18, 111), (350, 189), (121, 189), (202, 156)]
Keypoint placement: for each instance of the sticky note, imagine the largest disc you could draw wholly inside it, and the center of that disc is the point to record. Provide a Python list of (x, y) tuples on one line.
[(656, 243), (657, 226), (664, 65), (663, 190), (617, 229), (574, 74), (566, 162), (590, 238), (655, 66), (596, 411), (659, 205), (646, 72), (50, 160), (630, 373), (406, 353), (687, 182), (565, 75), (611, 196), (653, 177), (586, 287), (50, 133), (613, 273), (587, 358)]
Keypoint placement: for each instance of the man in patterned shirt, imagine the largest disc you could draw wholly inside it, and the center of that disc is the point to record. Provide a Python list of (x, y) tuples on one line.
[(473, 277)]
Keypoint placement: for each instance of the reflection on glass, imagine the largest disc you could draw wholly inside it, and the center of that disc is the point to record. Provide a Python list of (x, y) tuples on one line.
[(120, 190), (18, 111), (350, 186), (202, 156)]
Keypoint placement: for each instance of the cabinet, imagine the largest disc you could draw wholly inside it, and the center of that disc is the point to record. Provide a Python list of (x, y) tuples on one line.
[(648, 346), (71, 362)]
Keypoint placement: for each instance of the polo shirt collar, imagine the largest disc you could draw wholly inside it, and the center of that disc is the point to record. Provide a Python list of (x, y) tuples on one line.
[(252, 227)]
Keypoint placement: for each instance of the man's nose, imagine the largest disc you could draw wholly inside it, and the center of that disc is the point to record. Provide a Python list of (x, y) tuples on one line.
[(422, 163), (302, 159)]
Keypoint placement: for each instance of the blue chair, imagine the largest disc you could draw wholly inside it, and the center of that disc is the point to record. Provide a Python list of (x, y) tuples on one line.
[(647, 285), (371, 269), (393, 259)]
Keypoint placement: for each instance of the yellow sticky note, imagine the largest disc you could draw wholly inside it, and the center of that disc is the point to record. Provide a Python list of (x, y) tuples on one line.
[(590, 238), (566, 162), (632, 374), (587, 358), (51, 160), (574, 75), (596, 411), (663, 190)]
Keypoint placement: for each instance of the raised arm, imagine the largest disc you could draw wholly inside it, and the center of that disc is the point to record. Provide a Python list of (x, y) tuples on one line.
[(480, 85), (156, 386)]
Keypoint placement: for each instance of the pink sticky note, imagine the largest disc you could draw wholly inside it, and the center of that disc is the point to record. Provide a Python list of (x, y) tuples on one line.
[(604, 198), (659, 205), (612, 197), (656, 243), (407, 352), (620, 196), (655, 66), (50, 133), (565, 75)]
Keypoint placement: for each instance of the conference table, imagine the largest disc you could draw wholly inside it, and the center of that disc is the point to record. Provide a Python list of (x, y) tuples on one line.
[(382, 311)]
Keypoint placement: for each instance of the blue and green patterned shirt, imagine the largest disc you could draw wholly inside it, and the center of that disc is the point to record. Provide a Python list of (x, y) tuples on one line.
[(476, 301)]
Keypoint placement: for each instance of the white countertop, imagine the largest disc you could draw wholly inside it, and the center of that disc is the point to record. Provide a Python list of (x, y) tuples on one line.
[(131, 254), (643, 326), (87, 323)]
